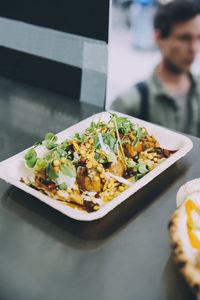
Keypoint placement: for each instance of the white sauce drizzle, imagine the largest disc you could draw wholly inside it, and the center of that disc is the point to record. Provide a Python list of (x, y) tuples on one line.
[(118, 178), (70, 181), (104, 147)]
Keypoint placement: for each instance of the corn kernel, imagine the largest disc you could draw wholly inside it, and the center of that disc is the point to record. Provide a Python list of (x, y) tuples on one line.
[(63, 160), (102, 175), (60, 193), (76, 146), (82, 151), (132, 136), (105, 199), (91, 141), (99, 169), (121, 188), (56, 163), (112, 180), (56, 169), (87, 145), (150, 156), (157, 144), (89, 165), (93, 200), (116, 193), (130, 179), (96, 178), (96, 207)]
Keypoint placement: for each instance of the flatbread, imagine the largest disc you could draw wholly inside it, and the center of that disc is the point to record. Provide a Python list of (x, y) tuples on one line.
[(184, 232)]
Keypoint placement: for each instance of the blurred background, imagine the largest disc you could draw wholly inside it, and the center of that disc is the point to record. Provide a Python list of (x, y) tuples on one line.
[(132, 53)]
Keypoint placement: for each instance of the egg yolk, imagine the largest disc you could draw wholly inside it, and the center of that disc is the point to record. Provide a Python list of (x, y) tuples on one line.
[(189, 207)]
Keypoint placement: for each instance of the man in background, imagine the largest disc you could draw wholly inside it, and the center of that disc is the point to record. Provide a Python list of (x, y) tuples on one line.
[(171, 95)]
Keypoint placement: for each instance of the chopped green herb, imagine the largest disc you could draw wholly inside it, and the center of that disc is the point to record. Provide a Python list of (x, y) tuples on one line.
[(68, 170), (139, 175), (50, 172), (130, 163), (100, 159), (109, 140), (142, 169), (62, 186)]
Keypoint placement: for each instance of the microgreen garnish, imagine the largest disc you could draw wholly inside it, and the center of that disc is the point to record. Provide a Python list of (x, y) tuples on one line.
[(94, 127), (37, 143), (119, 141), (41, 163), (80, 138), (124, 125), (50, 139), (65, 144), (31, 158), (140, 133), (125, 141)]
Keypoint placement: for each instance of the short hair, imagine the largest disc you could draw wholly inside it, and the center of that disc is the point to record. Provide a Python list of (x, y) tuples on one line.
[(174, 12)]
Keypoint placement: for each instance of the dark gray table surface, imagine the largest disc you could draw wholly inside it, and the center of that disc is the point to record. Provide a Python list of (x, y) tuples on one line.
[(46, 255)]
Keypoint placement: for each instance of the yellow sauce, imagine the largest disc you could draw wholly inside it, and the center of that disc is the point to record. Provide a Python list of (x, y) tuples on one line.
[(189, 207)]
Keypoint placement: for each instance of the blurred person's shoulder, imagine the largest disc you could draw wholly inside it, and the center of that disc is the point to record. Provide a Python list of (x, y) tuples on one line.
[(196, 80), (129, 101)]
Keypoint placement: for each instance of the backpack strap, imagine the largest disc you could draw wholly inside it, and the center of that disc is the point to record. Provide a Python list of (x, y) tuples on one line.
[(144, 103)]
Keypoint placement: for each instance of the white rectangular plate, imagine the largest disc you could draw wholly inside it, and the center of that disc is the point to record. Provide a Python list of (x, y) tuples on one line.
[(12, 169)]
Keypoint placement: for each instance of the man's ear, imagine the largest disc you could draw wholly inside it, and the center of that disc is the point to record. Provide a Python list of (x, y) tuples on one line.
[(158, 38)]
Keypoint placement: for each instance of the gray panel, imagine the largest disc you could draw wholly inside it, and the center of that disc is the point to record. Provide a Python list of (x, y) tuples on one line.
[(44, 42), (62, 47), (95, 56), (93, 87)]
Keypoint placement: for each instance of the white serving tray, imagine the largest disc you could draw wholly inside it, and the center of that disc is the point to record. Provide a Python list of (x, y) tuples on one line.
[(13, 168)]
